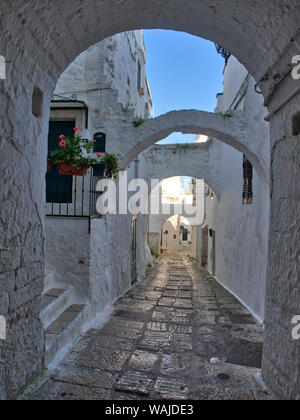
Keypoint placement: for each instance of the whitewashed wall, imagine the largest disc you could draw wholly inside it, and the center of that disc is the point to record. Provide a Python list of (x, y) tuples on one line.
[(241, 230), (99, 265)]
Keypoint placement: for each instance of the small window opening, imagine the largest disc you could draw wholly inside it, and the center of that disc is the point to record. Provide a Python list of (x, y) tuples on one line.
[(247, 182), (37, 102), (296, 124), (139, 78), (100, 145)]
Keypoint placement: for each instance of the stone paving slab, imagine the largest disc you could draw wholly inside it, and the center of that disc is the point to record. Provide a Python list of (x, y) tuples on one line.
[(59, 391), (159, 342), (95, 357), (135, 382), (85, 377), (113, 342), (171, 389)]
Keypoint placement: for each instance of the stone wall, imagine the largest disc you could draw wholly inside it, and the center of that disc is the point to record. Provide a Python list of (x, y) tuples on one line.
[(199, 161), (68, 253)]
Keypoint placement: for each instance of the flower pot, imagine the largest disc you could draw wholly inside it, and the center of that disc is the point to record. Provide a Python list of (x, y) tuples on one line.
[(68, 169), (49, 165)]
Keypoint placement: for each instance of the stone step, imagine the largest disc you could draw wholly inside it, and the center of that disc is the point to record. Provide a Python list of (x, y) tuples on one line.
[(63, 332), (50, 279), (55, 301)]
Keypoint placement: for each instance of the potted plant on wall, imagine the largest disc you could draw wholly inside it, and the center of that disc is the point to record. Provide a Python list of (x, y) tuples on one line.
[(74, 155)]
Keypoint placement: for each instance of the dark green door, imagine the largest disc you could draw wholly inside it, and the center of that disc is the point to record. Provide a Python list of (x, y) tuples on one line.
[(58, 187), (185, 235)]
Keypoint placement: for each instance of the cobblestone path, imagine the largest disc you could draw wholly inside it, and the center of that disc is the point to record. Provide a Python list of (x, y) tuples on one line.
[(159, 342)]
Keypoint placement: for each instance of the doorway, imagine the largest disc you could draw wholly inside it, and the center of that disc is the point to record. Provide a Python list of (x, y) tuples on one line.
[(134, 250), (58, 188)]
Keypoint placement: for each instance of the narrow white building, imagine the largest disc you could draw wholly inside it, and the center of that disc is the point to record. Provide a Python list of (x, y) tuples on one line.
[(233, 242), (92, 260)]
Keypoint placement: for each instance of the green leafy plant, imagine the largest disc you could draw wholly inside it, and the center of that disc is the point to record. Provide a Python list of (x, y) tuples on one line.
[(129, 108), (227, 114), (139, 121), (112, 165)]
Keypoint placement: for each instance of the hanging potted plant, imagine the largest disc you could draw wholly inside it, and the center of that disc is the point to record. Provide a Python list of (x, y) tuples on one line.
[(73, 155)]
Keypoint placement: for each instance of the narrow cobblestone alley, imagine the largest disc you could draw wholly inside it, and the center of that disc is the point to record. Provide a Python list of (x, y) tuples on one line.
[(160, 341)]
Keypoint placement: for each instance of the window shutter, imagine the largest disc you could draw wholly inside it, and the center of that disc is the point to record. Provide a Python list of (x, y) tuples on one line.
[(247, 181)]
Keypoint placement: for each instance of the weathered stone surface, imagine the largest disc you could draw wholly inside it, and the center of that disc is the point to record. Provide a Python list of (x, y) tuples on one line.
[(113, 342), (59, 391), (112, 360), (171, 389), (134, 382), (168, 356), (85, 377), (126, 324), (142, 360), (224, 394), (121, 332)]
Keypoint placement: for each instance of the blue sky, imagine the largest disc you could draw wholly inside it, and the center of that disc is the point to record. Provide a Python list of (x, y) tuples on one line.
[(184, 72)]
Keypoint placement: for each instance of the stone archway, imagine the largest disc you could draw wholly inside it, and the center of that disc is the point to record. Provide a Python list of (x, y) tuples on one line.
[(39, 51), (192, 211), (199, 161), (232, 131)]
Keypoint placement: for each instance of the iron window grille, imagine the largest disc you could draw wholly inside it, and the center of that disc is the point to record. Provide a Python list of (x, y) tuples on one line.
[(247, 181)]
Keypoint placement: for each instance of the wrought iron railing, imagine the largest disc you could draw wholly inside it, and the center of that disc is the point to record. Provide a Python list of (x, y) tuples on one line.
[(82, 203)]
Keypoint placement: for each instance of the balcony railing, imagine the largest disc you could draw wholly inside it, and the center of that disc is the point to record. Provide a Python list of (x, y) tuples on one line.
[(82, 199)]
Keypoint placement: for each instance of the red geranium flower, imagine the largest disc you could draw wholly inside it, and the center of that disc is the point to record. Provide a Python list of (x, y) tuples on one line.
[(99, 155), (62, 143), (62, 136), (76, 129)]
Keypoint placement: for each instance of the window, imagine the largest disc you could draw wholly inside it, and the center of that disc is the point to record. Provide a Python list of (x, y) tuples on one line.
[(139, 78), (100, 145), (296, 124), (247, 182), (37, 102)]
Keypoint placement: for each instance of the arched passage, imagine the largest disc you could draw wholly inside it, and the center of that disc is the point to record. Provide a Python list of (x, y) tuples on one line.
[(247, 30), (176, 200), (230, 130), (239, 28)]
